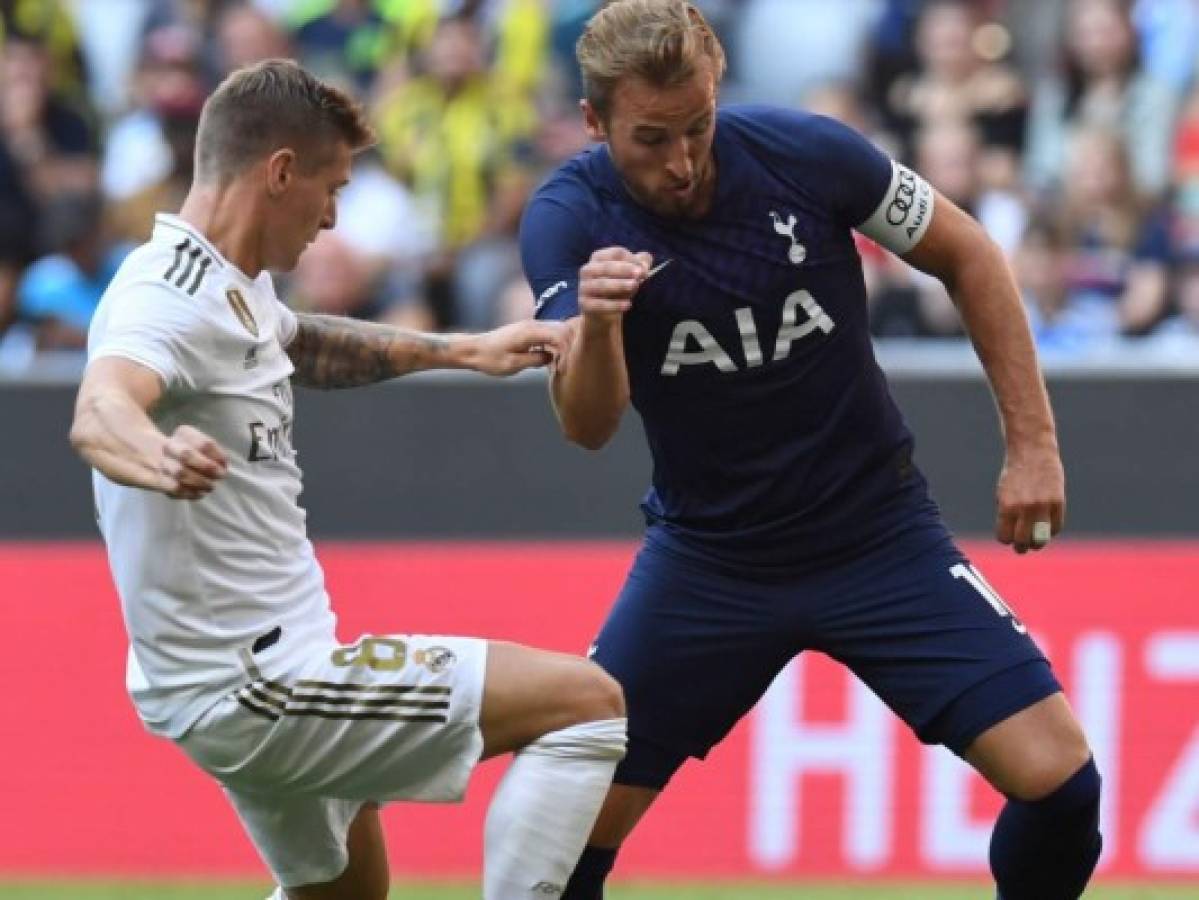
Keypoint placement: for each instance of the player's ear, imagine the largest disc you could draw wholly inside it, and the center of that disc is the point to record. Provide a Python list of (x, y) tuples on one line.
[(280, 170), (592, 122)]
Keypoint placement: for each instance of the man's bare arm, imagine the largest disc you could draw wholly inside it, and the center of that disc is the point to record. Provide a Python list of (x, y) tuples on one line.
[(335, 352), (978, 278), (589, 387), (114, 434)]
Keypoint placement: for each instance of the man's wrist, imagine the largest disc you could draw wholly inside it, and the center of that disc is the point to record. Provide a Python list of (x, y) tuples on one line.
[(1026, 443), (600, 326), (459, 351)]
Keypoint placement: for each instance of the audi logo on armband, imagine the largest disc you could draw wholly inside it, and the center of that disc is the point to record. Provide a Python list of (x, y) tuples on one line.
[(904, 199)]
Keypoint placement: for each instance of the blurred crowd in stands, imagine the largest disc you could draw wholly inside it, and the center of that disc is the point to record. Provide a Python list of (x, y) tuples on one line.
[(1069, 128)]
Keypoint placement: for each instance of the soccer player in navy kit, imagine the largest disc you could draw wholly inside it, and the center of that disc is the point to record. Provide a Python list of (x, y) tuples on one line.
[(705, 263)]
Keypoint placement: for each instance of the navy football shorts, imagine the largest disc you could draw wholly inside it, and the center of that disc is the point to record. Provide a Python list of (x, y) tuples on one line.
[(695, 644)]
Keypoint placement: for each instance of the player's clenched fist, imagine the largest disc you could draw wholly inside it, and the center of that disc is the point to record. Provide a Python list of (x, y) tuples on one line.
[(609, 280), (191, 465)]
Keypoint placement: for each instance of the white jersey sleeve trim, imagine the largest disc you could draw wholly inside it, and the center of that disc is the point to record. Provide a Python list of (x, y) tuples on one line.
[(904, 214)]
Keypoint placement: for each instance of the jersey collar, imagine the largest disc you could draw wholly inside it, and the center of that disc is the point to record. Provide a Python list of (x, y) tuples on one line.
[(169, 226)]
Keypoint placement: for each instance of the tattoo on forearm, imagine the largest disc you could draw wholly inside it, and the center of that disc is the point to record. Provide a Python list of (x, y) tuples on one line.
[(336, 352)]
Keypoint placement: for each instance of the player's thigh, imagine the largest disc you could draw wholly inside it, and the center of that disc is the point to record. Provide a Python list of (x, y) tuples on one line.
[(928, 634), (1033, 752), (391, 717), (528, 693), (366, 876), (694, 644)]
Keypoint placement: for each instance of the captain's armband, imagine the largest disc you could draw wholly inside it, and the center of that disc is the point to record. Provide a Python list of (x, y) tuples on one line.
[(904, 214)]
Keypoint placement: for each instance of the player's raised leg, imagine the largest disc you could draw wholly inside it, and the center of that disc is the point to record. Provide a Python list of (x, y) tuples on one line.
[(563, 716), (1046, 842)]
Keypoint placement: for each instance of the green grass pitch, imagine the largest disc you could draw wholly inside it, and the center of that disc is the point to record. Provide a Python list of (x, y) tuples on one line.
[(112, 890)]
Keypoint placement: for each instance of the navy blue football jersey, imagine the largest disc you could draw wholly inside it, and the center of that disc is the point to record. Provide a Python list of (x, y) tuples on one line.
[(773, 435)]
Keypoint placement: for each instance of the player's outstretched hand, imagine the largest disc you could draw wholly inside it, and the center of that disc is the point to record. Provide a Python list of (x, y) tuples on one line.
[(514, 348), (609, 280), (191, 465), (1031, 499)]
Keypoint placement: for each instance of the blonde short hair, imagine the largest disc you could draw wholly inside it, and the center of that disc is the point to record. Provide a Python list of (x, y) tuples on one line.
[(659, 41), (275, 103)]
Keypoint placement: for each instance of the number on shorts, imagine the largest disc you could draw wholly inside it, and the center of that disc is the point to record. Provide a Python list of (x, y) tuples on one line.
[(976, 581), (367, 653)]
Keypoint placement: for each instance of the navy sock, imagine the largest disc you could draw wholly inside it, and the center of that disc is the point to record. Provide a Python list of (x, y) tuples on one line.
[(587, 880), (1047, 849)]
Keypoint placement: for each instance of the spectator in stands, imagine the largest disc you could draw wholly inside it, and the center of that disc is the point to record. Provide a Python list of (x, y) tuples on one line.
[(1180, 330), (949, 154), (50, 24), (45, 135), (58, 293), (1061, 328), (1116, 253), (46, 147), (784, 48), (379, 219), (962, 79), (1179, 333), (246, 35), (346, 42), (1168, 31), (460, 141), (1103, 85), (137, 153), (332, 278), (1184, 198), (177, 116)]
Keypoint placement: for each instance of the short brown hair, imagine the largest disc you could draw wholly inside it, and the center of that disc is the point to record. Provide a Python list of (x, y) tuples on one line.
[(273, 104), (659, 41)]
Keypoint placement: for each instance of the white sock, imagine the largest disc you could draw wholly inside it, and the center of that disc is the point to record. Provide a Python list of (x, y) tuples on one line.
[(544, 807)]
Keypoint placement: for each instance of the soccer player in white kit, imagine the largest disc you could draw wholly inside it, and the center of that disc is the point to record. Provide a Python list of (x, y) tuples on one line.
[(185, 414)]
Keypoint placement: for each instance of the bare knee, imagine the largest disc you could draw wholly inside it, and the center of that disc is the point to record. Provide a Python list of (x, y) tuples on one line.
[(530, 693), (603, 697), (594, 695), (1033, 753), (1047, 768)]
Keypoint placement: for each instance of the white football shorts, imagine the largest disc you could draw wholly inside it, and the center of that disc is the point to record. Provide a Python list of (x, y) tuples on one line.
[(392, 717)]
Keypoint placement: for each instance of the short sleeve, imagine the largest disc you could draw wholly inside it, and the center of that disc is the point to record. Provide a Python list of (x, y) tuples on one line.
[(151, 324), (860, 185), (554, 245), (881, 198), (286, 324)]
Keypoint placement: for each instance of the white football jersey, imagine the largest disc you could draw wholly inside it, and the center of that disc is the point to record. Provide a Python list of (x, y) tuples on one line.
[(201, 582)]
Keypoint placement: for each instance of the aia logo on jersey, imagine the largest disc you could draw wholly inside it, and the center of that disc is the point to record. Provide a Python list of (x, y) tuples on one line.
[(241, 309), (693, 344), (798, 252)]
